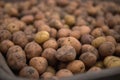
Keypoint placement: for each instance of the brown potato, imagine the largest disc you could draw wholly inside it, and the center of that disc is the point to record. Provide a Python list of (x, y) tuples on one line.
[(29, 72), (88, 58), (94, 69), (76, 66), (89, 48), (32, 49), (53, 33), (76, 34), (66, 53), (86, 39), (47, 75), (39, 63), (19, 38), (27, 19), (106, 49), (5, 45), (4, 35), (49, 54), (16, 58), (98, 41), (51, 43), (64, 73), (111, 39), (71, 41), (97, 32), (41, 36), (63, 32), (83, 29), (43, 27), (69, 20)]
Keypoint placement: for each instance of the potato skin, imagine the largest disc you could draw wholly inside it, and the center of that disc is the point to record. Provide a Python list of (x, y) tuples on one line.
[(51, 43), (19, 38), (94, 69), (66, 53), (53, 33), (88, 58), (29, 72), (4, 35), (16, 58), (5, 45), (49, 54), (76, 34), (33, 49), (106, 49), (64, 73), (71, 41), (47, 75), (41, 36), (76, 66), (39, 63)]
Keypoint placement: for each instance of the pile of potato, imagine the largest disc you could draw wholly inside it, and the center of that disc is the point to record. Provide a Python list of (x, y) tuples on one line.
[(59, 38)]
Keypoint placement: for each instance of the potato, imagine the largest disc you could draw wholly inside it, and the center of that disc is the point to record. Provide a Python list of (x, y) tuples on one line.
[(106, 49), (111, 39), (89, 48), (66, 53), (100, 64), (88, 58), (94, 69), (43, 27), (28, 30), (32, 49), (51, 43), (19, 38), (97, 32), (83, 29), (53, 33), (63, 32), (62, 2), (29, 72), (16, 58), (47, 75), (76, 34), (98, 41), (41, 36), (55, 23), (60, 41), (86, 39), (39, 63), (51, 69), (49, 54), (64, 73), (117, 50), (76, 66), (4, 35), (5, 45), (69, 20), (112, 61), (71, 41), (27, 19)]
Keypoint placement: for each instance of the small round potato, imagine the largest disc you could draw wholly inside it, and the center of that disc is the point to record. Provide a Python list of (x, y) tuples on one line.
[(88, 58), (86, 39), (106, 49), (76, 34), (19, 38), (49, 54), (69, 20), (53, 33), (51, 43), (90, 48), (4, 35), (47, 75), (64, 73), (98, 41), (94, 69), (63, 32), (111, 39), (33, 49), (66, 53), (76, 66), (27, 19), (50, 69), (41, 36), (39, 63), (97, 32), (5, 45), (29, 72), (43, 27)]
